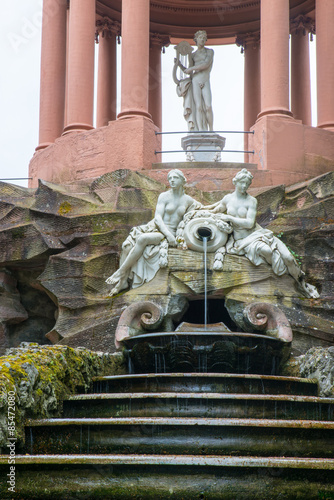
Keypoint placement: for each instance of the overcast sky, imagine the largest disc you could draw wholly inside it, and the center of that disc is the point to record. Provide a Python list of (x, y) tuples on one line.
[(20, 41)]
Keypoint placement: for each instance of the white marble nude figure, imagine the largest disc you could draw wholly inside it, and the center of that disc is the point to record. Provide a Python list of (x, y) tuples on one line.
[(259, 245), (200, 65), (142, 254)]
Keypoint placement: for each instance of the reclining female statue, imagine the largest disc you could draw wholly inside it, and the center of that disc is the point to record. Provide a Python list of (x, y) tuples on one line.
[(259, 245), (144, 251)]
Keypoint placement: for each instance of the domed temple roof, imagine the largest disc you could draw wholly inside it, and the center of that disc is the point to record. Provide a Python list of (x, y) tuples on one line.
[(222, 19)]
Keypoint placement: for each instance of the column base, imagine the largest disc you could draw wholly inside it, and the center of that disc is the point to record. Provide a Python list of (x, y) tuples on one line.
[(327, 126), (43, 145), (132, 114), (77, 127), (286, 113), (128, 144)]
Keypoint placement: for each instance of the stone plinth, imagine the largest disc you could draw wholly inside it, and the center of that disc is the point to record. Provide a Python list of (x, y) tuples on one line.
[(213, 176), (128, 143), (291, 149), (203, 147)]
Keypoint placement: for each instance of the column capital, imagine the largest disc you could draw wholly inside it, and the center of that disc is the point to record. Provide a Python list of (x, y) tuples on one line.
[(246, 40), (162, 41), (108, 28), (302, 25)]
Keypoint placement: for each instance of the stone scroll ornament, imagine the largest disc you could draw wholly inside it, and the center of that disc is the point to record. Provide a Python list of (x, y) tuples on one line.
[(136, 319), (270, 319)]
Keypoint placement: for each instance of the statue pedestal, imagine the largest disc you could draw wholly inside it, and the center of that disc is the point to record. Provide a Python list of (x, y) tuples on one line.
[(203, 147)]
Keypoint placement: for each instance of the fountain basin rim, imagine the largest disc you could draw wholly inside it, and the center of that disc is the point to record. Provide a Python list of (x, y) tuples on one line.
[(219, 422), (200, 395), (251, 376), (209, 336)]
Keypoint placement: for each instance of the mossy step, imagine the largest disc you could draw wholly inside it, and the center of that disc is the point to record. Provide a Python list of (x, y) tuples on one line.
[(205, 382), (208, 460), (223, 422), (181, 436), (169, 477), (199, 405)]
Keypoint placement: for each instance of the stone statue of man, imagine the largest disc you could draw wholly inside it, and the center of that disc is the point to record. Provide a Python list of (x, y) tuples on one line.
[(197, 93)]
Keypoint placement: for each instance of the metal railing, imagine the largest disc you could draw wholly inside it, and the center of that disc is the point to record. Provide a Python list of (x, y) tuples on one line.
[(17, 179), (205, 132)]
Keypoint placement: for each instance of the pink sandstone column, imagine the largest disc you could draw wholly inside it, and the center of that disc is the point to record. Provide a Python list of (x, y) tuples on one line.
[(325, 63), (80, 99), (53, 68), (135, 58), (300, 73), (106, 86), (252, 88), (67, 45), (275, 57), (155, 84)]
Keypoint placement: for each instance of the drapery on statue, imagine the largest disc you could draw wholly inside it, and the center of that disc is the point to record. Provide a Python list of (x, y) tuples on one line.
[(145, 250), (259, 245), (195, 90)]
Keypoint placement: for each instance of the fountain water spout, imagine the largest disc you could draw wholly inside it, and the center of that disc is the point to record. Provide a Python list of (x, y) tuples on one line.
[(204, 234)]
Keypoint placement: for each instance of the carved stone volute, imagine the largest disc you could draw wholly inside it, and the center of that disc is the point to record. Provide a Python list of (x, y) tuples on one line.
[(271, 319), (138, 318)]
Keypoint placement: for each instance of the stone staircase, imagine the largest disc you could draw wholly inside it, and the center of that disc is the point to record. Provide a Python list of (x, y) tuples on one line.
[(183, 436)]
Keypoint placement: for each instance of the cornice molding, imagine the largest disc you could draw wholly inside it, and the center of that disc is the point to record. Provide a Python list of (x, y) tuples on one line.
[(217, 8)]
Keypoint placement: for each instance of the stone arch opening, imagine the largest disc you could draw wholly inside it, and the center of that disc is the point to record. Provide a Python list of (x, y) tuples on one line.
[(217, 312), (32, 313)]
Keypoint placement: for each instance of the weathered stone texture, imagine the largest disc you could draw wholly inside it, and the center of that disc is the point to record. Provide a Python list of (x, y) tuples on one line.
[(59, 243), (42, 377), (317, 364)]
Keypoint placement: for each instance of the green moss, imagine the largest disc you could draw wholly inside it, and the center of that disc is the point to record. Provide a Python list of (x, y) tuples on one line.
[(18, 232), (291, 368), (43, 376), (298, 258), (64, 208)]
